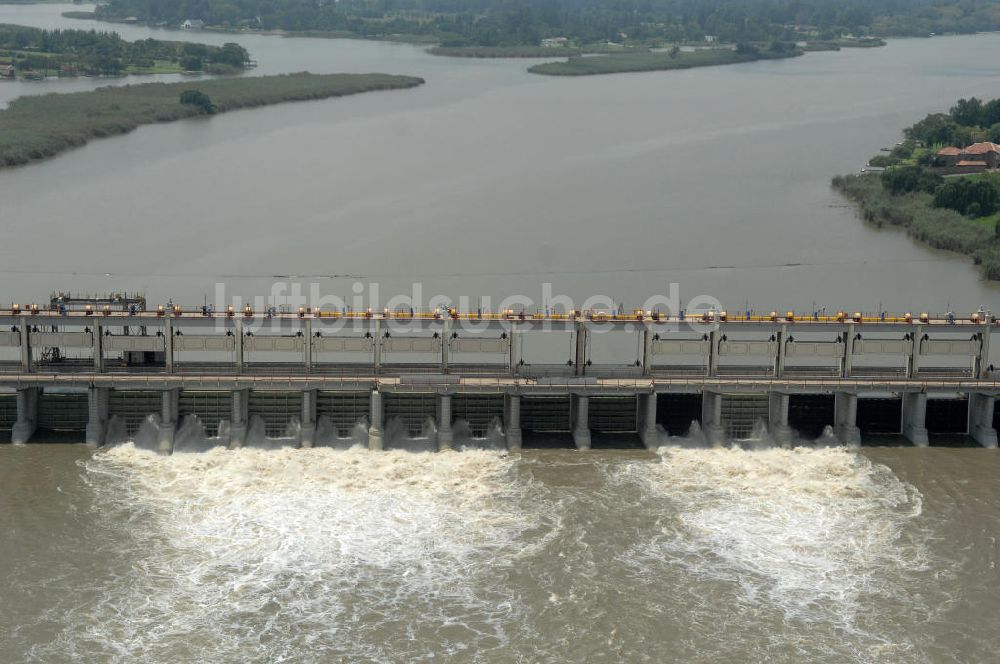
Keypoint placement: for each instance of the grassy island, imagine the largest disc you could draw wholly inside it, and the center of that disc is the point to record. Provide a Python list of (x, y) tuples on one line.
[(37, 127), (527, 51), (654, 61), (942, 184)]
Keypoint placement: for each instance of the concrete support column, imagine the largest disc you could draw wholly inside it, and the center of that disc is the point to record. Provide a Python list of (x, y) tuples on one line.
[(238, 424), (307, 349), (711, 418), (512, 360), (238, 348), (168, 420), (168, 343), (713, 352), (914, 416), (98, 399), (647, 351), (983, 359), (981, 419), (777, 424), (647, 412), (375, 429), (779, 360), (581, 427), (25, 334), (98, 347), (913, 361), (308, 430), (845, 416), (445, 344), (377, 346), (580, 360), (846, 365), (27, 415), (445, 437), (512, 427)]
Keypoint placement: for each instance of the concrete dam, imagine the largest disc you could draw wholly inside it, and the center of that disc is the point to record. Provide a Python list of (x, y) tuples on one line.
[(438, 379)]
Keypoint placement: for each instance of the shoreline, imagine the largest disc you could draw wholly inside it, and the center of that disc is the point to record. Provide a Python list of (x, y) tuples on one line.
[(937, 228), (37, 127)]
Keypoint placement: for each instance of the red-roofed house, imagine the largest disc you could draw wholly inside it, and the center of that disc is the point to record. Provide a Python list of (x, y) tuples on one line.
[(949, 156), (986, 152)]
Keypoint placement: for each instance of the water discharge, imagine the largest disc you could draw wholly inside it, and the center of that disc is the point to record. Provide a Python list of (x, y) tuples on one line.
[(805, 554), (821, 539), (292, 551)]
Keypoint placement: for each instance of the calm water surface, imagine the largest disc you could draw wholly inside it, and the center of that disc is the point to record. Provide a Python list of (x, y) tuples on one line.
[(488, 181)]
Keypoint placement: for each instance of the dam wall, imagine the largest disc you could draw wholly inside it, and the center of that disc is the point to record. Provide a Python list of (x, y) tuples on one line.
[(442, 378)]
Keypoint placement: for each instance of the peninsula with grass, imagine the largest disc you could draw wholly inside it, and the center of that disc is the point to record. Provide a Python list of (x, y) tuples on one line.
[(34, 53), (38, 127), (942, 183)]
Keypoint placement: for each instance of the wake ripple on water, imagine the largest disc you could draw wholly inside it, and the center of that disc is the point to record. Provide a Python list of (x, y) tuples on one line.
[(822, 543), (255, 555)]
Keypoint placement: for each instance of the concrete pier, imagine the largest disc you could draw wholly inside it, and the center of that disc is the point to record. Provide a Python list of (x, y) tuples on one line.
[(647, 421), (981, 408), (168, 421), (445, 435), (238, 423), (98, 399), (27, 415), (914, 417), (711, 418), (512, 425), (376, 427), (777, 424), (307, 434), (581, 425), (846, 415)]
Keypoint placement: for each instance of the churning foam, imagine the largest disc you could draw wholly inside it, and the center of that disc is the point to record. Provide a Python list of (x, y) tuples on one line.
[(254, 555), (822, 536)]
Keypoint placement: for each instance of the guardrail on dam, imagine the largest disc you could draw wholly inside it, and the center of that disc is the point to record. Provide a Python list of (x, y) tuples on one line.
[(493, 376)]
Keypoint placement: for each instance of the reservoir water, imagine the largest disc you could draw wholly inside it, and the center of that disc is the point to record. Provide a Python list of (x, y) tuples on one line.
[(488, 181)]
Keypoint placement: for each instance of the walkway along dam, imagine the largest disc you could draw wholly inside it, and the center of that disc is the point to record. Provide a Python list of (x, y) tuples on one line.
[(428, 380)]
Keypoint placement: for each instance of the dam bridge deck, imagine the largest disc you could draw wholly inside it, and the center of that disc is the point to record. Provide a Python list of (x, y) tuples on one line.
[(644, 373)]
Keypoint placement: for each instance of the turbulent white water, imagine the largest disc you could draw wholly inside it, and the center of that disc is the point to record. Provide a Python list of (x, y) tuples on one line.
[(825, 540), (281, 553), (690, 555)]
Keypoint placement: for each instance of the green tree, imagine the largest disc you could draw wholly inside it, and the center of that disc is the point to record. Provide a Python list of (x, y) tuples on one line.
[(976, 198), (935, 129), (231, 54), (905, 179), (199, 99), (967, 112)]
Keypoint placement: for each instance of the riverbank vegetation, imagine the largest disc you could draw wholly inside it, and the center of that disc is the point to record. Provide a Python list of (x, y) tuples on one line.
[(916, 191), (673, 59), (91, 53), (37, 127), (504, 23), (523, 51)]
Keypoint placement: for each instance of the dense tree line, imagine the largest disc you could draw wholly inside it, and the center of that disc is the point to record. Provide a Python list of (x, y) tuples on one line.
[(525, 22), (969, 120), (93, 52)]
